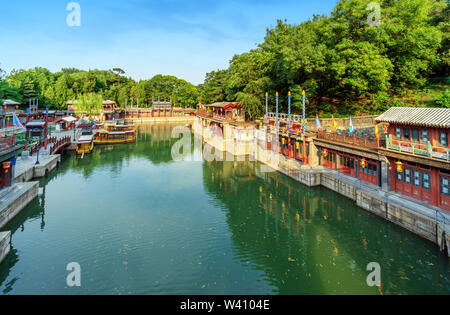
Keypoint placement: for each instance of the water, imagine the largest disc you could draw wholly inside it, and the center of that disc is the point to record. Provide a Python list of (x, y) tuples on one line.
[(139, 223)]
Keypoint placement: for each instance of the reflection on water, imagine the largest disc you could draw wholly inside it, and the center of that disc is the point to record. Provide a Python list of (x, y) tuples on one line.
[(140, 223)]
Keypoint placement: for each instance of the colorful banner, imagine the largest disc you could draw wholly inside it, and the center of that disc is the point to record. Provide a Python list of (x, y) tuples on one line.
[(16, 122), (318, 122), (351, 126)]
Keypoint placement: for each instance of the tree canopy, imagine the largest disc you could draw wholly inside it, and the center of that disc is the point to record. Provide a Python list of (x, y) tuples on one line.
[(54, 89), (345, 64)]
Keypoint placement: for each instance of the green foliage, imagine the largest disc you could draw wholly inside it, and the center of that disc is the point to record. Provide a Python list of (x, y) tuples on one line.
[(90, 103), (444, 99), (54, 89), (344, 64)]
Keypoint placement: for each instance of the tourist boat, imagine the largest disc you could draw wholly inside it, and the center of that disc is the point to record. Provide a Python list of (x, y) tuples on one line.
[(115, 137), (119, 126), (85, 144)]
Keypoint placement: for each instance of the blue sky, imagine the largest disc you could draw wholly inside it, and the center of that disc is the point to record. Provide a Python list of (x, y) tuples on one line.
[(185, 38)]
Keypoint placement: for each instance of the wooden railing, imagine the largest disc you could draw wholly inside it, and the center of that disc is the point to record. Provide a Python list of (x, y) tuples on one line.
[(57, 144), (352, 140), (421, 149), (54, 142)]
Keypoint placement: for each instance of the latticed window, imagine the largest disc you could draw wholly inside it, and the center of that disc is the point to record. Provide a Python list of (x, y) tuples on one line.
[(425, 136), (426, 180), (406, 134), (443, 139), (445, 183), (407, 175), (415, 135), (416, 178)]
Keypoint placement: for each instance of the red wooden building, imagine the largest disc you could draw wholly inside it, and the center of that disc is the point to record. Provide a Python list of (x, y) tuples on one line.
[(350, 155), (417, 146)]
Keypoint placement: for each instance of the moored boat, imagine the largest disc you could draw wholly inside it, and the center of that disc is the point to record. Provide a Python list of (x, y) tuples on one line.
[(115, 137), (85, 144)]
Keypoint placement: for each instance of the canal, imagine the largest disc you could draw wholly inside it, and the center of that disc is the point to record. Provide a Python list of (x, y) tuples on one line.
[(139, 222)]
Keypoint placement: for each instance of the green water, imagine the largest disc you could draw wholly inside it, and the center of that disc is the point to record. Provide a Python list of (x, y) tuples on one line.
[(139, 223)]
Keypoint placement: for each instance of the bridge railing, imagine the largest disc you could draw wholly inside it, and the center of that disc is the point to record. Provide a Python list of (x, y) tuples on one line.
[(58, 143)]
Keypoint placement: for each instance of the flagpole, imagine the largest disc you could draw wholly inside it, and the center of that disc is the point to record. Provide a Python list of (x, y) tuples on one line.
[(276, 125), (289, 123), (304, 127)]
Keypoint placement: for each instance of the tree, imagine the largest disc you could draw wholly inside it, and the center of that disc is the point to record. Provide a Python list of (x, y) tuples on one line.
[(90, 103)]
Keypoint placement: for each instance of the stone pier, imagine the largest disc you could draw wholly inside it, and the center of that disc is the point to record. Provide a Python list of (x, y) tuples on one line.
[(13, 199), (27, 169)]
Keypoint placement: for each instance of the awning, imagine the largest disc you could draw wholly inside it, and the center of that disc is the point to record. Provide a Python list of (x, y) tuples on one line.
[(69, 119), (85, 139)]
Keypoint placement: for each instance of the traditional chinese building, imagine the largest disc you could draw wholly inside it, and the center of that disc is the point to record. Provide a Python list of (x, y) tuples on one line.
[(354, 156), (162, 109), (10, 106), (71, 106), (419, 154), (231, 111)]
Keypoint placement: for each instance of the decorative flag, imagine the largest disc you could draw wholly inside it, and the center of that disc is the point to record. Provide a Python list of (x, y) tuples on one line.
[(318, 122), (16, 122), (334, 124), (351, 126), (377, 132)]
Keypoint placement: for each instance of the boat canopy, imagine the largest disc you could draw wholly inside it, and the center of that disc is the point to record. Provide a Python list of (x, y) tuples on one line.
[(69, 119), (84, 139)]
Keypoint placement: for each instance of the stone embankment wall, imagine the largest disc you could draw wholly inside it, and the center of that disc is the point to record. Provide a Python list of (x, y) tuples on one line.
[(5, 240), (17, 198)]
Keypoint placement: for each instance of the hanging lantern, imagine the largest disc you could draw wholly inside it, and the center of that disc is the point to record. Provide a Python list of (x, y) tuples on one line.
[(297, 144), (363, 163), (325, 152), (385, 129), (399, 167), (6, 166)]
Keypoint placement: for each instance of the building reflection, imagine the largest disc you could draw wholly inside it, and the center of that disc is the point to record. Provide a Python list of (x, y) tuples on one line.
[(310, 240)]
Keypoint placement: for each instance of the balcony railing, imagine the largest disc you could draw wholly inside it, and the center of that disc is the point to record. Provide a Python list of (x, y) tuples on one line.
[(214, 115), (351, 140), (421, 149)]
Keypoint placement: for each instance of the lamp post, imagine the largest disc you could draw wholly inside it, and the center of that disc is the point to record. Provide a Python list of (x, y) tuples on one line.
[(38, 149)]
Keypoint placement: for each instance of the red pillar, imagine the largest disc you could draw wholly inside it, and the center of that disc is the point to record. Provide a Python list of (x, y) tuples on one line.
[(393, 170), (435, 187)]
